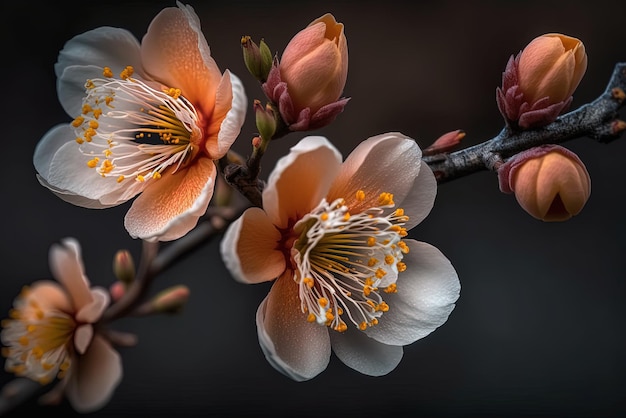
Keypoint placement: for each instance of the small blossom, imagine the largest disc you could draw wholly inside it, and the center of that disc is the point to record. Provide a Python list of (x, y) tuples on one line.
[(50, 334), (308, 81), (332, 237), (537, 85), (550, 182), (149, 121)]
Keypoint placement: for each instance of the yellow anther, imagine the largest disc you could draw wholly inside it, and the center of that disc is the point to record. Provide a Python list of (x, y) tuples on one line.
[(23, 340), (323, 302), (108, 100), (329, 316), (360, 195), (93, 162), (175, 93), (89, 133), (374, 321), (346, 216), (127, 72), (107, 152), (383, 307), (380, 273), (372, 262), (368, 281), (139, 178), (385, 199), (86, 108), (106, 166), (156, 175), (37, 352), (363, 326), (403, 247), (367, 290), (311, 317), (39, 314), (120, 179), (97, 113), (371, 241), (371, 303), (93, 124), (401, 266), (392, 288), (31, 327), (80, 140), (389, 259), (78, 121), (89, 84), (342, 327), (309, 282), (339, 311), (106, 72), (65, 365), (399, 212)]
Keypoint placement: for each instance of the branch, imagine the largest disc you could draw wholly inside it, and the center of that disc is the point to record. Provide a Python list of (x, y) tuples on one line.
[(598, 120)]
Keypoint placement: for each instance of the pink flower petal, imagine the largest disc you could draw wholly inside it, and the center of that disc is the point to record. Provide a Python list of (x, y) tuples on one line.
[(82, 337), (93, 311), (172, 205), (297, 348), (249, 248), (95, 377), (49, 296), (300, 180), (67, 267)]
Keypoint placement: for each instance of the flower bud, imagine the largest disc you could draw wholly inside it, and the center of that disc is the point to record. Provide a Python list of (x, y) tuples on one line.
[(171, 300), (265, 120), (124, 267), (549, 182), (258, 59), (309, 79), (538, 84), (444, 143)]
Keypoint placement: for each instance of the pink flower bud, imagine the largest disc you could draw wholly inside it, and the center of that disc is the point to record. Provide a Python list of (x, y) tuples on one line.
[(550, 182), (309, 79), (537, 85), (124, 266), (551, 66)]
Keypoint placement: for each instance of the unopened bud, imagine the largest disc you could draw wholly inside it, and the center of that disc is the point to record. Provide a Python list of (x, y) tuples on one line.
[(265, 120), (124, 267), (171, 300), (258, 60), (549, 182), (445, 142)]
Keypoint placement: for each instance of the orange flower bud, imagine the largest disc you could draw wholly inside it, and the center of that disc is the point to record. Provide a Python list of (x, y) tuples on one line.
[(552, 66), (549, 182), (315, 64)]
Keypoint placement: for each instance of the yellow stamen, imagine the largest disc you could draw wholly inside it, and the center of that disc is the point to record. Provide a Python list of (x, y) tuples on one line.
[(106, 72), (360, 195)]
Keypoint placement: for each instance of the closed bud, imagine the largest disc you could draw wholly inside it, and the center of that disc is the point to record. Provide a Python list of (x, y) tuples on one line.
[(170, 300), (538, 84), (124, 267), (308, 81), (549, 182), (265, 120)]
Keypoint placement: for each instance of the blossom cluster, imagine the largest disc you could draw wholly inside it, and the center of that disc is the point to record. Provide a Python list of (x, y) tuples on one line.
[(152, 122)]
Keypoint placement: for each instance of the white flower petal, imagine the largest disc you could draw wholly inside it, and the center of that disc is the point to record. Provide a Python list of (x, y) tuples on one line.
[(71, 86), (300, 180), (297, 348), (421, 198), (82, 337), (94, 378), (364, 354), (427, 292), (252, 257), (231, 125), (103, 46)]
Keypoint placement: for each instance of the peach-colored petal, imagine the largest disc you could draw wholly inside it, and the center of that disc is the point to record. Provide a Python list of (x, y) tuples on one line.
[(93, 310), (228, 116), (67, 267), (300, 180), (292, 345), (82, 337), (421, 198), (172, 205), (48, 295), (95, 377), (383, 163), (249, 248), (175, 52)]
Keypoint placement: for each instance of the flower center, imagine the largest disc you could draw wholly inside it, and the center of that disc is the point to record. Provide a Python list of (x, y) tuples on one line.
[(128, 129), (344, 260), (37, 342)]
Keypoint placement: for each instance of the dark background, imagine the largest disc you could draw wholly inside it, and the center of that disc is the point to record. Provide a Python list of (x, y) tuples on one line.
[(539, 327)]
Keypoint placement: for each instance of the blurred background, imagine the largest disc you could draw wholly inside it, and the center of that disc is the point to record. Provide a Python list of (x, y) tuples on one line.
[(539, 327)]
